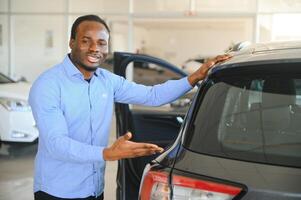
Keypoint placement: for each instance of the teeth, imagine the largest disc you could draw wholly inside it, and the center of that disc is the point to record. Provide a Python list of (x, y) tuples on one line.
[(92, 59)]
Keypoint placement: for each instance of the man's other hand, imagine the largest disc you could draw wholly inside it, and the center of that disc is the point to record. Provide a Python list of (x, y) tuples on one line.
[(124, 148), (201, 73)]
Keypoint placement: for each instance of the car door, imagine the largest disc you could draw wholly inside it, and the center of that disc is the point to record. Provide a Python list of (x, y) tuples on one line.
[(158, 125)]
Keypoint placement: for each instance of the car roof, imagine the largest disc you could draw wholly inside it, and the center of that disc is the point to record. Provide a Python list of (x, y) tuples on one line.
[(264, 53)]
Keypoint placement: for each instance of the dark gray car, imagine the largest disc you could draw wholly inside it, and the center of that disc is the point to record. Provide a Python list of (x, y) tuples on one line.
[(240, 139)]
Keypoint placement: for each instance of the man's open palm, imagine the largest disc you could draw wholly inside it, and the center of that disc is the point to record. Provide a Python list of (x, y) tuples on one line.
[(124, 148)]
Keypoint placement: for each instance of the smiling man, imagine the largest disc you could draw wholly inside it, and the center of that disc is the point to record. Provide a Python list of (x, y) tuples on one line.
[(72, 104), (89, 45)]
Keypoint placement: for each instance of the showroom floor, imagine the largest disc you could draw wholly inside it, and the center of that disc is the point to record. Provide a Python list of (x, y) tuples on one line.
[(16, 171)]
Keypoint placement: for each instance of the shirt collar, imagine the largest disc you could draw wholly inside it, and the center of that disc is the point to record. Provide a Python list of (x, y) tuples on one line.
[(72, 70), (97, 72)]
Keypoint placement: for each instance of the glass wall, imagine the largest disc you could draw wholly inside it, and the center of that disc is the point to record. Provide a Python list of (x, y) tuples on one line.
[(39, 31), (278, 20), (229, 6), (159, 6), (284, 6), (4, 44), (34, 34), (3, 5), (99, 6), (38, 6)]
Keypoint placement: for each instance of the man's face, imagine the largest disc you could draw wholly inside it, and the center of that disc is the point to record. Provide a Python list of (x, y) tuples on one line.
[(90, 46)]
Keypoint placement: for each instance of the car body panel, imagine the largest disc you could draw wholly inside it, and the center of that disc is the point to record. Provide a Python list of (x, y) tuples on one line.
[(14, 124), (265, 53), (19, 90), (256, 178), (270, 181), (263, 181)]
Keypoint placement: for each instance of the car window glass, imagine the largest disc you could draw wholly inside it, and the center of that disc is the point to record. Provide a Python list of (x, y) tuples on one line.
[(151, 74), (297, 84), (251, 119)]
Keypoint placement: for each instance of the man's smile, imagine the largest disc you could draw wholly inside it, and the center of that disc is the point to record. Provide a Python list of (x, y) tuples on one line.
[(93, 58)]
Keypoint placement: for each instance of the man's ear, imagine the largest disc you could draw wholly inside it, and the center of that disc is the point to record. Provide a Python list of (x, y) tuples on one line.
[(71, 43)]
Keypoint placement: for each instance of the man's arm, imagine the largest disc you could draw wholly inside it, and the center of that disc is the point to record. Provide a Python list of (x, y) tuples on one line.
[(124, 148), (129, 92), (45, 103)]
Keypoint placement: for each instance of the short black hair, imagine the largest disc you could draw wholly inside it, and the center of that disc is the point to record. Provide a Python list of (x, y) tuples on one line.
[(83, 18)]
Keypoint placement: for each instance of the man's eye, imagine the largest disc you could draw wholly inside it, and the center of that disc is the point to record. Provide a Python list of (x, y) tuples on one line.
[(85, 41)]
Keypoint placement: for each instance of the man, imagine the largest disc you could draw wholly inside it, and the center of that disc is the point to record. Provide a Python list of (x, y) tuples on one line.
[(72, 104)]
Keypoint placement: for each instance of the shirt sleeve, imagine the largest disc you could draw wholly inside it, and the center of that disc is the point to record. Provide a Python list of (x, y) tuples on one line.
[(129, 92), (44, 99)]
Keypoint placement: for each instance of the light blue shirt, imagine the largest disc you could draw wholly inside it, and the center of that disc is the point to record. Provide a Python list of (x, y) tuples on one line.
[(73, 118)]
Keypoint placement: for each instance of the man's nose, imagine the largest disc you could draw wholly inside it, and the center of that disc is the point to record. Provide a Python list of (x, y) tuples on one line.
[(94, 47)]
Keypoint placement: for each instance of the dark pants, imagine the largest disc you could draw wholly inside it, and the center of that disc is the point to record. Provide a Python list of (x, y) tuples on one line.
[(44, 196)]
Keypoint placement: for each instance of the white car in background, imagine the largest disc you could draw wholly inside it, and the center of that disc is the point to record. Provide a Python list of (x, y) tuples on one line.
[(16, 120)]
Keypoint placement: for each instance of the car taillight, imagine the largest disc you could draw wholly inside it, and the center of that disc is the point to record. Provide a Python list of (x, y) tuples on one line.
[(155, 187)]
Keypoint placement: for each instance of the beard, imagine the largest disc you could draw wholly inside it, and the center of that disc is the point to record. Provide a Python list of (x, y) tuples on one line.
[(88, 68)]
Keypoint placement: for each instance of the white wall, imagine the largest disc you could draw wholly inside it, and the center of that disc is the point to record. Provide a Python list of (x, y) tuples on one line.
[(33, 52), (179, 44), (119, 36), (141, 39)]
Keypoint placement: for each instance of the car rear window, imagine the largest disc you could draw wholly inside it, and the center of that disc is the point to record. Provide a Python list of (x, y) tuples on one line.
[(249, 117)]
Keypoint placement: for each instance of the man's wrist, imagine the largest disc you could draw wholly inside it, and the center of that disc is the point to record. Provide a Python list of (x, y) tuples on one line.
[(106, 154), (193, 79)]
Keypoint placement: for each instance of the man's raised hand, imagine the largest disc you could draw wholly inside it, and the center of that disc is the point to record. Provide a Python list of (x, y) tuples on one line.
[(202, 72)]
